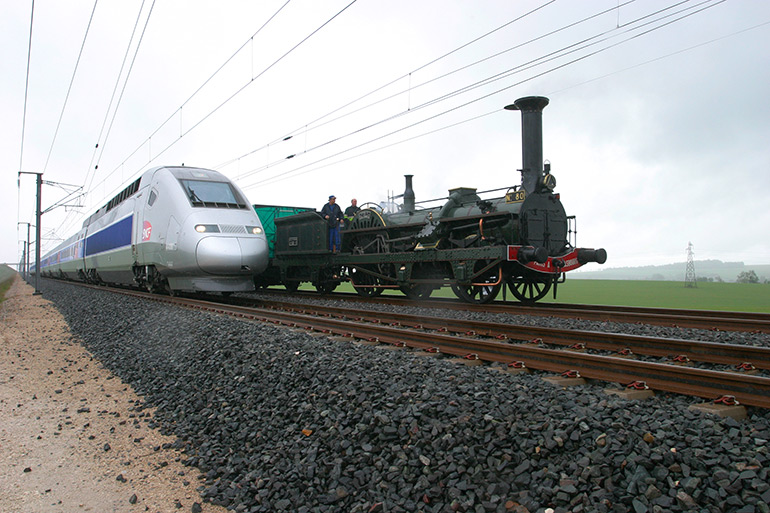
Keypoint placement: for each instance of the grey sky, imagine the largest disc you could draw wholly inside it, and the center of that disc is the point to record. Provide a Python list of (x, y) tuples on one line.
[(655, 142)]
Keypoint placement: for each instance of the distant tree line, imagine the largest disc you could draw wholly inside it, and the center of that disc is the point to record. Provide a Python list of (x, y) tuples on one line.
[(749, 277)]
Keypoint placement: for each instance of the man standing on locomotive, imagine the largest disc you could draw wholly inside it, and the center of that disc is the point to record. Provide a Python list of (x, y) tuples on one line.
[(333, 215), (352, 209)]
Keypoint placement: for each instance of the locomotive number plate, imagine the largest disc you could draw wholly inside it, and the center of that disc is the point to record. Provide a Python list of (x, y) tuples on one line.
[(293, 242), (516, 196)]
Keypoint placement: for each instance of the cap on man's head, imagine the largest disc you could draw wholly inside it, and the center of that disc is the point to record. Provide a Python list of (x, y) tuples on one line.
[(332, 197)]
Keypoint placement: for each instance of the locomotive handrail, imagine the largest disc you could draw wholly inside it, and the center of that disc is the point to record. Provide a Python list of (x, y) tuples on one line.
[(444, 198), (370, 205)]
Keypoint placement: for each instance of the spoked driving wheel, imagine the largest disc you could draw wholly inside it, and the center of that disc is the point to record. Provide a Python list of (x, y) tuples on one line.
[(366, 285), (485, 286), (366, 236), (529, 289)]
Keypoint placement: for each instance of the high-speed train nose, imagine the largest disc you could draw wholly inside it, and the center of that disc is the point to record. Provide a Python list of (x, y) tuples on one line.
[(232, 255)]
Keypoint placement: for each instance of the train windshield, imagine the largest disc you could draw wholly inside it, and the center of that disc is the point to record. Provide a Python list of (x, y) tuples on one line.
[(203, 193)]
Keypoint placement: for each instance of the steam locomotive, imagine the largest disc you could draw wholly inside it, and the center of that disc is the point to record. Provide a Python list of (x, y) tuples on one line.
[(475, 246)]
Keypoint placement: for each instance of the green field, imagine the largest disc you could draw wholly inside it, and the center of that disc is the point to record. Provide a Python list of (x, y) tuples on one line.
[(747, 297), (6, 278), (664, 294)]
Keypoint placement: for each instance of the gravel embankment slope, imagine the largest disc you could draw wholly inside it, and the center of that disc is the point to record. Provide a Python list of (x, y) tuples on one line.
[(73, 437), (279, 420)]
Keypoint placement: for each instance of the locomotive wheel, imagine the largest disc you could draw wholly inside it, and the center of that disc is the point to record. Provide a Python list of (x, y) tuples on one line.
[(485, 287), (372, 239), (326, 287), (418, 291), (364, 283), (528, 289), (328, 279)]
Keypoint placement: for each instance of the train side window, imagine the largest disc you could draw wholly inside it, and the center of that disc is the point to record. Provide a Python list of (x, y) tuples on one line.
[(151, 199)]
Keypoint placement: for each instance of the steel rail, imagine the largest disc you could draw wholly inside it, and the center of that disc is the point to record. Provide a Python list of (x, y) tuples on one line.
[(702, 351), (709, 384), (680, 318)]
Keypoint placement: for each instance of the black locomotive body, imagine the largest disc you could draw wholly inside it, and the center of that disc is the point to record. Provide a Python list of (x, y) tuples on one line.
[(476, 246)]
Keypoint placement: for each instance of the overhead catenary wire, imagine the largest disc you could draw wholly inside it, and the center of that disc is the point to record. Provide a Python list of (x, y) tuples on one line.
[(24, 119), (303, 129), (125, 83), (26, 86), (91, 169), (280, 178), (518, 18), (564, 51), (268, 178), (475, 100), (270, 181), (72, 217), (237, 92), (69, 89), (411, 109), (683, 50), (211, 77)]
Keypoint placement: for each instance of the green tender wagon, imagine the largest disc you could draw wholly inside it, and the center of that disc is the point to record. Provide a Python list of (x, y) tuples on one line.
[(298, 242)]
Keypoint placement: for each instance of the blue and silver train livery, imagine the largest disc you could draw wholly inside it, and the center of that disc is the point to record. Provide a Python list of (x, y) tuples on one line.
[(173, 229)]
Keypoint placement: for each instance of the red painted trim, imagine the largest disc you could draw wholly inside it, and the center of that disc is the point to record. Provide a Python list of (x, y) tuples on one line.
[(570, 261)]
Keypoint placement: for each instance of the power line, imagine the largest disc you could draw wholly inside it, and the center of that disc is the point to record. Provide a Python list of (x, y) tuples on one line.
[(659, 58), (279, 178), (478, 84), (486, 81), (300, 130), (125, 83), (236, 93), (186, 101), (26, 87), (254, 78), (112, 98), (435, 100), (179, 109), (566, 50), (69, 89), (71, 218)]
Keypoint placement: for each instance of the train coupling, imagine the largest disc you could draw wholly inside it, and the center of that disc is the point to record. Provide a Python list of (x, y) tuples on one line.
[(531, 254), (586, 256)]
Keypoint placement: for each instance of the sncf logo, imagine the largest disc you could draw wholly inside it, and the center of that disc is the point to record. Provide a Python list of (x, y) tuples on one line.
[(146, 231)]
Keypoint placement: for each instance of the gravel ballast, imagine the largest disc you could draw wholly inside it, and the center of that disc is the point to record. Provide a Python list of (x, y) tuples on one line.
[(279, 420)]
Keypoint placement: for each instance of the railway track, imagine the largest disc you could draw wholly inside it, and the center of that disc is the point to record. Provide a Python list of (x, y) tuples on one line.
[(679, 318), (522, 347)]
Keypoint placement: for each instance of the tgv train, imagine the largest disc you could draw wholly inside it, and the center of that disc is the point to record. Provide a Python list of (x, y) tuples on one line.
[(173, 229)]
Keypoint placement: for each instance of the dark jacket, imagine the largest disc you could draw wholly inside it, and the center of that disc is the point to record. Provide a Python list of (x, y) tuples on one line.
[(334, 212)]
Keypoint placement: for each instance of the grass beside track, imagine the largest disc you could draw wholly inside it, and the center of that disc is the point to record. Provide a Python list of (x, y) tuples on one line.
[(736, 297), (6, 279)]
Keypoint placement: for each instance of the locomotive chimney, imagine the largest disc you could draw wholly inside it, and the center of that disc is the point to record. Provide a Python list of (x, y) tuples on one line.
[(531, 108), (408, 195)]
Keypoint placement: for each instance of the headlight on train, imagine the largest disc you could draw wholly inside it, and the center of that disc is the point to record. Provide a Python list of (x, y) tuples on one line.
[(549, 182), (207, 228), (254, 230)]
